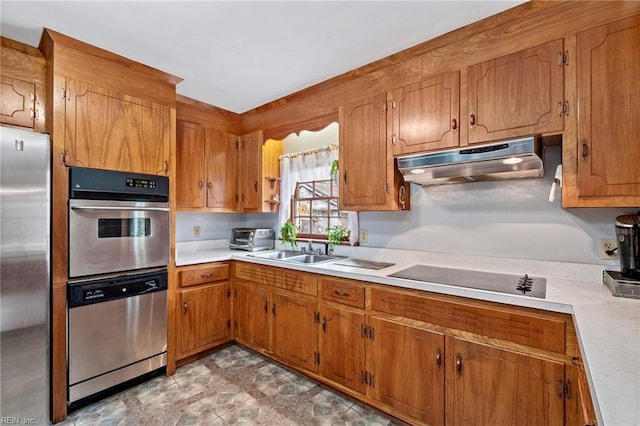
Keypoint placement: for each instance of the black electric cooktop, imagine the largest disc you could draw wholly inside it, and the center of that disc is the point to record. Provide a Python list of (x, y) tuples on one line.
[(502, 283)]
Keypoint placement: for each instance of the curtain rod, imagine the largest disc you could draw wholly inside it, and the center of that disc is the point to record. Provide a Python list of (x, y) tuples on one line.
[(328, 148)]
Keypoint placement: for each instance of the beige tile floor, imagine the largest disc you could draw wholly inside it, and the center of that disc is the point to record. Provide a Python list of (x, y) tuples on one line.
[(234, 386)]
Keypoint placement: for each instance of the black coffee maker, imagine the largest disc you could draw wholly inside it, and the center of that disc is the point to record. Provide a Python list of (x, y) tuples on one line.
[(628, 238)]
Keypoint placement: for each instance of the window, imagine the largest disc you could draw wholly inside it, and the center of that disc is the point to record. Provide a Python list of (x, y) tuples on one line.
[(315, 208)]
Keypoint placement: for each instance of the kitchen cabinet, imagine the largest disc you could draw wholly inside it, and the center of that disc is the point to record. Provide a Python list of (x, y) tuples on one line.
[(294, 332), (207, 165), (520, 94), (260, 172), (203, 317), (20, 103), (487, 385), (105, 129), (275, 312), (608, 66), (368, 178), (425, 115), (251, 313)]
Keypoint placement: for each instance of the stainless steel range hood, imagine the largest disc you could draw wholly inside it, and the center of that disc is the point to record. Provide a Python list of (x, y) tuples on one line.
[(516, 158)]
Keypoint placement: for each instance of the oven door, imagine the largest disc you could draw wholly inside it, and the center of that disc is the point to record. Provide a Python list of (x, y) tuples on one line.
[(112, 236)]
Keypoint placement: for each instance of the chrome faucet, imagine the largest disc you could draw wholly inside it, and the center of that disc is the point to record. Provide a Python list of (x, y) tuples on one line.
[(310, 246)]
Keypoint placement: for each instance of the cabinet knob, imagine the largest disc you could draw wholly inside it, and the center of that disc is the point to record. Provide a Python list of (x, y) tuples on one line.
[(459, 364), (439, 359), (209, 185), (200, 184), (585, 149), (472, 119), (185, 308), (454, 123), (255, 186), (324, 324), (266, 306), (273, 309)]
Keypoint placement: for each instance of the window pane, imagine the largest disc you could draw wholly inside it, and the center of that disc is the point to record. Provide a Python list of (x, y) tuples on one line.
[(323, 188), (303, 225), (305, 190), (319, 226), (302, 208), (320, 208)]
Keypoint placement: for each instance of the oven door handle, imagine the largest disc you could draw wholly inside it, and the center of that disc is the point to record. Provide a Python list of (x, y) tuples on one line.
[(98, 208)]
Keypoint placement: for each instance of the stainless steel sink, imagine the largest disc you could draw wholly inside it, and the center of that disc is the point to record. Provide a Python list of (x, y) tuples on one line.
[(296, 256), (277, 254), (313, 258)]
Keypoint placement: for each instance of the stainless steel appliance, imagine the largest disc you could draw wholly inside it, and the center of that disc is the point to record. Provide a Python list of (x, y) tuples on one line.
[(503, 283), (119, 249), (117, 221), (517, 158), (25, 290), (621, 286), (252, 239), (117, 330), (628, 238)]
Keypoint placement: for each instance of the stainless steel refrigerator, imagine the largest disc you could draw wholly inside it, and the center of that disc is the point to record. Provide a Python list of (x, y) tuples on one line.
[(25, 217)]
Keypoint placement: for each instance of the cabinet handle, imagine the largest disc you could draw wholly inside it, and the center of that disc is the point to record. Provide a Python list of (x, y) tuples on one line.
[(200, 184), (209, 185), (324, 324), (472, 119), (255, 186), (166, 166), (459, 364), (266, 306), (185, 308), (337, 293), (344, 176), (206, 276), (454, 123), (585, 150), (439, 359), (273, 309)]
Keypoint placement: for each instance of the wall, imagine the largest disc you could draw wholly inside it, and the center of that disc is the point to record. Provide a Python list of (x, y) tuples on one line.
[(505, 219)]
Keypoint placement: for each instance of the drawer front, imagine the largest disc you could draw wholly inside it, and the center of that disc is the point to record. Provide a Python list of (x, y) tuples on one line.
[(522, 328), (202, 275), (343, 291), (300, 282)]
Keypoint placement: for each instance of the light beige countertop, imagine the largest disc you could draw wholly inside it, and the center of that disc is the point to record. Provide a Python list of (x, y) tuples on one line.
[(608, 327)]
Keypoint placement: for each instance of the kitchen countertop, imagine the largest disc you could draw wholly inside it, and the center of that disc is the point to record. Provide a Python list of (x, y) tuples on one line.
[(608, 327)]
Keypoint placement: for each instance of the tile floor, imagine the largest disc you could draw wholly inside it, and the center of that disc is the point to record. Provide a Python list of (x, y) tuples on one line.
[(234, 386)]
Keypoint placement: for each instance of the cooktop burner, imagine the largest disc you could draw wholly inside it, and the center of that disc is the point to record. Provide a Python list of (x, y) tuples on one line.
[(492, 281)]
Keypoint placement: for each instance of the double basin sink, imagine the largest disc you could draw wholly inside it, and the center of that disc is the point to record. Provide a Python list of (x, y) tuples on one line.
[(297, 257)]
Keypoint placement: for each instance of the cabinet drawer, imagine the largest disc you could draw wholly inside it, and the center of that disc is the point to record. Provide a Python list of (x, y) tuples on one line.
[(504, 323), (204, 275), (343, 291)]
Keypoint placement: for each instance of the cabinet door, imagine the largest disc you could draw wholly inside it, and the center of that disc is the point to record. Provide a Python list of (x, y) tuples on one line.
[(408, 370), (203, 317), (491, 386), (222, 170), (425, 115), (365, 170), (190, 167), (516, 95), (294, 334), (251, 171), (108, 130), (251, 311), (17, 102), (609, 109), (342, 347)]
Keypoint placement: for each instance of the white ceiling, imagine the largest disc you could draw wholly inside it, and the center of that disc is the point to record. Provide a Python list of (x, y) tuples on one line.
[(238, 55)]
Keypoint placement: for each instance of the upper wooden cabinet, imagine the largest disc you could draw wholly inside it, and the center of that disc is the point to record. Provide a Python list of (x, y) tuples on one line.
[(207, 166), (22, 78), (368, 179), (20, 103), (259, 172), (109, 130), (608, 150), (425, 115), (517, 95)]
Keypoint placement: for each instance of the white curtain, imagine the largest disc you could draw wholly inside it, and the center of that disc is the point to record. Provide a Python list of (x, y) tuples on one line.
[(304, 167)]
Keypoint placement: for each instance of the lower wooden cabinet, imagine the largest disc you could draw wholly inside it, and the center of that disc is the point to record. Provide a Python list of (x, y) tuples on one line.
[(203, 309), (492, 386), (415, 355)]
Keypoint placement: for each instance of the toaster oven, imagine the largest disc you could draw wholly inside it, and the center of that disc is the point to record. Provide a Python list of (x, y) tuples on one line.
[(252, 239)]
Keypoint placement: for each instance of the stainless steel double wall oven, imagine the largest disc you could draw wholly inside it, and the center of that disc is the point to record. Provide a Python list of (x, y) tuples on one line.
[(119, 249)]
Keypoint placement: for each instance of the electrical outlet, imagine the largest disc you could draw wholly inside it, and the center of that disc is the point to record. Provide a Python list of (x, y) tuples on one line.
[(196, 231), (607, 244), (364, 235)]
